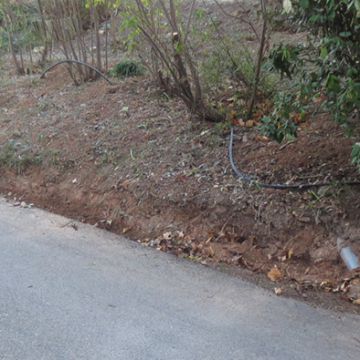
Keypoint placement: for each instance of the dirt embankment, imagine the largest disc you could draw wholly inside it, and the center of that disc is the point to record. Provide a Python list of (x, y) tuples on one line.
[(131, 161)]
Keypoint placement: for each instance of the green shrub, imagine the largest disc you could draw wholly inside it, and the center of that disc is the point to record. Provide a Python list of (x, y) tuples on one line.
[(126, 68), (279, 125), (335, 25), (328, 66), (17, 156)]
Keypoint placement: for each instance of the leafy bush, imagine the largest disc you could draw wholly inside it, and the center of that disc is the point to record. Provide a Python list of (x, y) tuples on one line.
[(329, 66), (280, 124), (161, 35), (284, 59), (23, 21), (126, 68), (335, 25)]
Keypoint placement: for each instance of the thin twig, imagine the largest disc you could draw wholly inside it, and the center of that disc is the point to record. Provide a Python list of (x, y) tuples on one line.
[(237, 17)]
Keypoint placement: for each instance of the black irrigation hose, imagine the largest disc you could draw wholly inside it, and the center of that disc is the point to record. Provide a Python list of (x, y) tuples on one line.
[(249, 179), (69, 61)]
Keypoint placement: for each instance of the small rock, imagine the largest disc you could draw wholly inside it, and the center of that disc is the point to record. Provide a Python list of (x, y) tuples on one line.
[(154, 243), (23, 204)]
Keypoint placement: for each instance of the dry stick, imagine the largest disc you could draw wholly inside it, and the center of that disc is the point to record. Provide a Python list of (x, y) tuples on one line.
[(162, 46), (176, 41), (57, 27), (168, 15), (237, 17), (70, 41), (239, 74), (169, 65), (174, 63), (22, 59), (151, 28), (9, 25), (45, 52), (162, 55), (77, 23), (68, 61), (106, 36), (282, 147), (260, 58), (188, 24), (19, 70), (61, 27), (197, 97), (31, 60), (92, 36), (80, 69), (97, 37), (156, 43), (181, 68)]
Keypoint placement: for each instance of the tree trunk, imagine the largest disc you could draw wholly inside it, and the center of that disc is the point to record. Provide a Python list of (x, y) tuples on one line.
[(259, 59)]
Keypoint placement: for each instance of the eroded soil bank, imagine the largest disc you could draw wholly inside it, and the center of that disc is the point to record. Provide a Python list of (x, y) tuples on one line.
[(130, 160)]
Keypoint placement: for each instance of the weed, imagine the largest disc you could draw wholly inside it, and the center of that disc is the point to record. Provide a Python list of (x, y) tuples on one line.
[(126, 68), (279, 125), (19, 157), (355, 155), (53, 157)]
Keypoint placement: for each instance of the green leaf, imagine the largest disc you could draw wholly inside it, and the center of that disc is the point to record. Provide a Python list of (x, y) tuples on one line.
[(355, 155), (324, 52), (345, 34), (357, 7), (304, 4), (333, 83)]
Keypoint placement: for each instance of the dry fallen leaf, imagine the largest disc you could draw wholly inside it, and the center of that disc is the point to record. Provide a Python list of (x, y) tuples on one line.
[(275, 274), (278, 291), (211, 251), (126, 230), (250, 124), (326, 285), (264, 139), (356, 302), (208, 251), (290, 254)]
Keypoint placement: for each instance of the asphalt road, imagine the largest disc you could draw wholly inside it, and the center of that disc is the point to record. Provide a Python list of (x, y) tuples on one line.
[(88, 294)]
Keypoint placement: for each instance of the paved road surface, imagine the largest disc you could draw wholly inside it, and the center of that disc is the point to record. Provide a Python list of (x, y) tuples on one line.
[(87, 294)]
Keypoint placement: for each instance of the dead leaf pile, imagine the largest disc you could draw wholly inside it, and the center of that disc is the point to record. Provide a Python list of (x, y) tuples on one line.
[(275, 274)]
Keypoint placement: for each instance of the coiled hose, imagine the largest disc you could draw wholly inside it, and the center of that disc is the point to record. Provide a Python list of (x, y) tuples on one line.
[(251, 180)]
